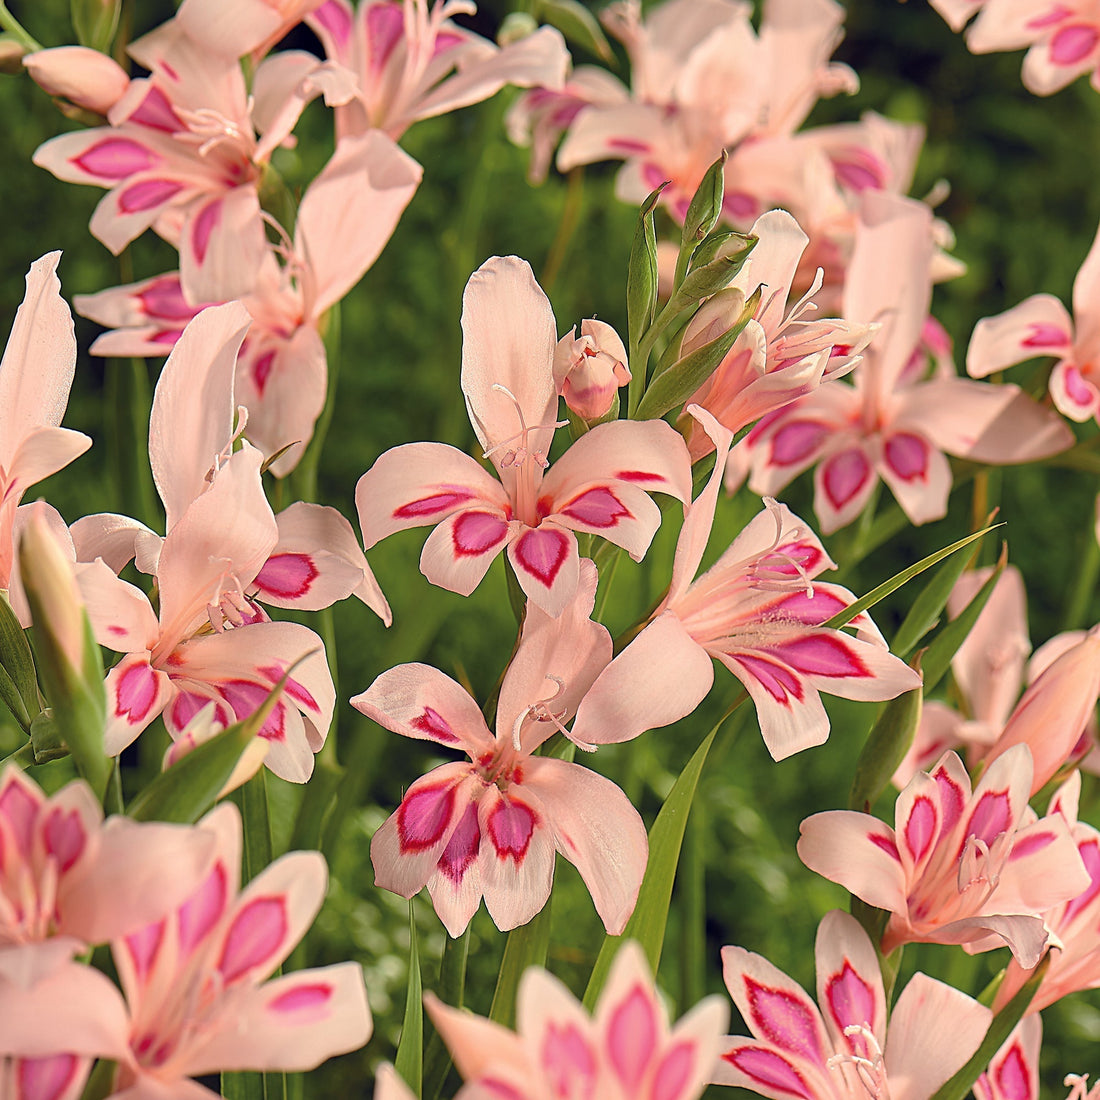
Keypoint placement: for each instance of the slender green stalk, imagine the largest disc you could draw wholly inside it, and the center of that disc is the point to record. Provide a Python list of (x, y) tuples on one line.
[(1077, 615), (12, 25), (567, 228), (304, 477)]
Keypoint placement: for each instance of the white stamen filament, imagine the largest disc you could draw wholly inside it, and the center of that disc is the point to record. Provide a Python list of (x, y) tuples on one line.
[(871, 1071)]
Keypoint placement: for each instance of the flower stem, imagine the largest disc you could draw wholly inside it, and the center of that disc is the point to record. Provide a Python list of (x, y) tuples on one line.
[(12, 25)]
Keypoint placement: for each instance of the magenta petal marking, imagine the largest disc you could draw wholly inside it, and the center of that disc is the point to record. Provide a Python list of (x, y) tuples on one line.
[(337, 21), (1077, 388), (907, 456), (567, 1061), (850, 999), (821, 655), (156, 112), (203, 226), (1090, 854), (627, 145), (776, 679), (631, 1037), (21, 811), (165, 336), (261, 370), (1045, 335), (435, 726), (991, 817), (772, 1070), (740, 206), (463, 847), (385, 28), (143, 947), (542, 553), (1073, 43), (444, 42), (474, 533), (257, 932), (246, 698), (312, 999), (430, 505), (812, 610), (597, 508), (287, 576), (844, 474), (186, 705), (511, 824), (135, 693), (164, 300), (146, 195), (1031, 844), (920, 829), (638, 477), (116, 158), (952, 798), (47, 1078), (422, 817), (673, 1073), (1048, 19), (202, 911), (64, 837), (783, 1019), (1013, 1080), (783, 558), (794, 441), (886, 844), (861, 170)]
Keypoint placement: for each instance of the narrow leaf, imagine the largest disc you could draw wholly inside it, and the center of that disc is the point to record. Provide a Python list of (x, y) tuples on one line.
[(20, 684), (451, 990), (578, 25), (647, 923), (526, 946), (410, 1050), (641, 275), (885, 748), (256, 822)]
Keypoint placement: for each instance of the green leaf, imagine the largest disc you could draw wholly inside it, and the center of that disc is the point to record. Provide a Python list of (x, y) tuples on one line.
[(410, 1050), (578, 25), (886, 746), (19, 683), (641, 275), (958, 1086), (243, 1086), (316, 808), (937, 658), (842, 618), (647, 922), (95, 22), (526, 946), (251, 798)]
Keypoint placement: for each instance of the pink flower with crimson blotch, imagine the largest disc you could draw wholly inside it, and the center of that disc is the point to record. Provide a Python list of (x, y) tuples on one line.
[(759, 611), (490, 827), (626, 1050), (844, 1050), (964, 866), (598, 486), (195, 984), (1013, 1072)]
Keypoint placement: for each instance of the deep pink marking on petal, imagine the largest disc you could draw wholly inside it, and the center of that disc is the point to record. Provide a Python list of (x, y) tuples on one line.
[(475, 533), (142, 947), (202, 911), (920, 828), (163, 299), (740, 206), (135, 693), (1073, 43), (423, 816), (117, 631), (64, 837), (336, 19), (431, 505), (597, 508), (256, 933), (20, 808), (435, 726), (202, 227), (1029, 845), (542, 552), (567, 1061), (261, 370), (851, 1000), (511, 825), (385, 28), (861, 170), (812, 610), (146, 195), (787, 557), (907, 455), (246, 697), (673, 1073), (303, 999), (1045, 335), (629, 146), (776, 679), (638, 477), (886, 844), (166, 336), (1013, 1080), (844, 474), (631, 1037), (1089, 851), (444, 42), (168, 70), (991, 817), (116, 158), (1077, 388), (463, 847), (499, 1089), (1049, 18), (47, 1078), (186, 705), (783, 1019), (795, 441), (771, 1070), (821, 655), (156, 112), (287, 576)]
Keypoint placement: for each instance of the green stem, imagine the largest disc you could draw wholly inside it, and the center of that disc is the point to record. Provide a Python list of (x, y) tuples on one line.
[(567, 228), (304, 476), (326, 627), (1084, 583), (451, 991), (12, 25), (23, 757), (526, 946)]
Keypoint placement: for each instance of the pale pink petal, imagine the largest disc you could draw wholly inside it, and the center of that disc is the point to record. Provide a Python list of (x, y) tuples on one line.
[(1086, 286), (101, 156), (120, 613), (547, 565), (1040, 325), (457, 885), (1013, 1072), (83, 76), (1070, 51), (136, 694), (842, 487), (659, 678), (421, 702), (41, 452), (597, 829), (113, 538), (231, 30), (1074, 394), (857, 851), (918, 474), (849, 982), (477, 1043), (757, 1066), (139, 202), (458, 553), (222, 246), (610, 133), (1044, 869)]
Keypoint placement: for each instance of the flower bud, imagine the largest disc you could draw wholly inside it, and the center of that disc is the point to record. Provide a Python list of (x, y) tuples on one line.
[(516, 26), (203, 728), (718, 271), (589, 369), (11, 55), (88, 78), (95, 21), (57, 606)]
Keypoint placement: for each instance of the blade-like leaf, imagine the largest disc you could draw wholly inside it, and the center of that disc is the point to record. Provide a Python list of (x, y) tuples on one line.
[(451, 990), (410, 1050), (526, 946), (19, 684), (886, 746), (578, 24)]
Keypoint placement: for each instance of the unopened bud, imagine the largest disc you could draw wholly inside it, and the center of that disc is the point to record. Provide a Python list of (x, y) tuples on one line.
[(708, 278), (86, 77), (589, 369), (516, 26), (57, 608), (95, 22), (706, 204)]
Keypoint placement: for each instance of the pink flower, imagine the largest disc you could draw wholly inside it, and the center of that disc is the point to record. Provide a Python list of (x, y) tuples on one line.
[(1013, 1072), (490, 827), (959, 866), (194, 979), (1041, 326), (599, 485), (233, 28), (844, 1049), (35, 375), (759, 611), (88, 78), (590, 368), (624, 1051), (413, 63)]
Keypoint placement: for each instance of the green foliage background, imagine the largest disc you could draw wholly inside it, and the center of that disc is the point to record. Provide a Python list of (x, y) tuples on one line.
[(1024, 203)]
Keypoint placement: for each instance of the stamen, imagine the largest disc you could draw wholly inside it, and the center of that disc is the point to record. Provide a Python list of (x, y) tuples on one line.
[(517, 456), (871, 1071), (540, 712)]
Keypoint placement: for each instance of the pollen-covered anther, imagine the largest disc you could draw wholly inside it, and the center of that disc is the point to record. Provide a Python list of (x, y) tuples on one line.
[(517, 456), (231, 609), (870, 1070)]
